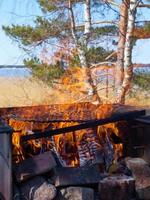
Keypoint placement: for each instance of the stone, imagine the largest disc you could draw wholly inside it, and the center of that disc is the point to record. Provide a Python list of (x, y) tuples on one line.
[(141, 173), (76, 193), (34, 166), (37, 189), (75, 176), (117, 187)]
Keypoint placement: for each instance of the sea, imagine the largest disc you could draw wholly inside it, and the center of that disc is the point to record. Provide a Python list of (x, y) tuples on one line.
[(15, 72), (22, 71)]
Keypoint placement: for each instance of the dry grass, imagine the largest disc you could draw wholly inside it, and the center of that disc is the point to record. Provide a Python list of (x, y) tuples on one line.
[(23, 92)]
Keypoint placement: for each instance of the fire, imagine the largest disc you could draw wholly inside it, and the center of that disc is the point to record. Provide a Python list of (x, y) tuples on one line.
[(75, 148), (21, 128)]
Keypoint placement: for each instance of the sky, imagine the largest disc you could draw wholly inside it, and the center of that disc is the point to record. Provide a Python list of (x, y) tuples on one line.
[(14, 12), (24, 12)]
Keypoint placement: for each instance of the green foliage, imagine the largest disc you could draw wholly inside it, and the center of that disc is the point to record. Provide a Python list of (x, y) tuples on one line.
[(106, 30), (75, 62), (95, 55), (147, 27), (55, 26), (43, 30), (141, 78), (49, 73), (46, 73), (47, 6)]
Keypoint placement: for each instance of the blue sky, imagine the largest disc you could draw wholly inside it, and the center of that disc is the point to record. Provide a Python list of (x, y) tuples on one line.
[(16, 12), (24, 11)]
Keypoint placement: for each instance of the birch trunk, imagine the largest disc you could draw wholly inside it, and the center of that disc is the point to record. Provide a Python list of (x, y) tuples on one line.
[(121, 45), (81, 44), (87, 17), (83, 41), (128, 67)]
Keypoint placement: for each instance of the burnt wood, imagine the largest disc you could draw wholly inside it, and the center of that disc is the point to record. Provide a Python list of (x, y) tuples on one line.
[(93, 123), (78, 112)]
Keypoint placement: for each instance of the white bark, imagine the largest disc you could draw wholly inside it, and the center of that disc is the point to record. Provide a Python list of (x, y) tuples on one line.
[(119, 75), (87, 17), (81, 44), (128, 67), (81, 53)]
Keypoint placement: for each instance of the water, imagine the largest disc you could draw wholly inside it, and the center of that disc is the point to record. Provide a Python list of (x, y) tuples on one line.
[(142, 69), (15, 72), (25, 72)]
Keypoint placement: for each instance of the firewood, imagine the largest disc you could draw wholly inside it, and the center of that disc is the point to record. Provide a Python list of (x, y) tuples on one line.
[(92, 123), (118, 187), (71, 176), (37, 189), (36, 165)]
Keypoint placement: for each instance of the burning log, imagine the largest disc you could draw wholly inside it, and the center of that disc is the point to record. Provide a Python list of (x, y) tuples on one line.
[(37, 189), (118, 187), (93, 123), (36, 165), (89, 149), (77, 112), (71, 176), (59, 112), (141, 172), (76, 193)]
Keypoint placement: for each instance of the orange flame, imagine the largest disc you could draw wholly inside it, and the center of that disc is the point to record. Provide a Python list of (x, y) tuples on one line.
[(71, 147)]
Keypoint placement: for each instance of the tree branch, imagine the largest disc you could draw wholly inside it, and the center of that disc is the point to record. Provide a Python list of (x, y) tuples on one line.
[(144, 6), (99, 22), (72, 21), (111, 2), (87, 16)]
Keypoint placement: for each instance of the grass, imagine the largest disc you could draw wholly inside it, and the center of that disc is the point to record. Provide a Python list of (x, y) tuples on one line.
[(24, 92)]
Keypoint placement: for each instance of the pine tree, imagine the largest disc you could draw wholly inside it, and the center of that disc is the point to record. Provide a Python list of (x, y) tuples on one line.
[(60, 24)]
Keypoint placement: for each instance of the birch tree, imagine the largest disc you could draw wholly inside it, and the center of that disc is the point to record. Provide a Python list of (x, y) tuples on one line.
[(121, 45), (128, 67)]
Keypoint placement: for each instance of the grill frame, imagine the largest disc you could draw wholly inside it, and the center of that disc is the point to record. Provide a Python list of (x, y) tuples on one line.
[(5, 161)]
